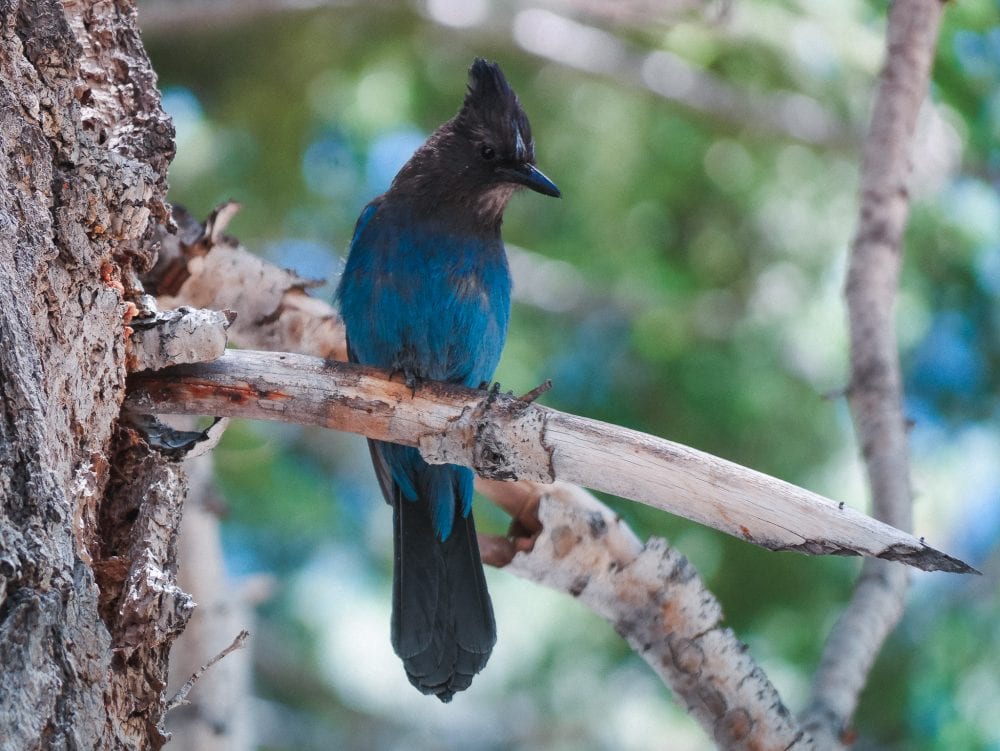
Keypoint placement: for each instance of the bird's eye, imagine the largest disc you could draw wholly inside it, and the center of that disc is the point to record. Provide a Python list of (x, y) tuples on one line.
[(487, 152)]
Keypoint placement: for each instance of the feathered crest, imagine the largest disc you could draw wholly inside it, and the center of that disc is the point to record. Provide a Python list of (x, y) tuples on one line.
[(492, 111), (471, 165), (487, 85)]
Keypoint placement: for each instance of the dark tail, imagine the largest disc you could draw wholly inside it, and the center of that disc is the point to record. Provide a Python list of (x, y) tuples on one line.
[(442, 618)]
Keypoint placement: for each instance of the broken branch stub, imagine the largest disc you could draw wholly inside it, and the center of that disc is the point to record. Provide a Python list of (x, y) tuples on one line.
[(171, 337)]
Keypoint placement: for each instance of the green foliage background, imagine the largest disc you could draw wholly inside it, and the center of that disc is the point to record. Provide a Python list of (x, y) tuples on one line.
[(688, 284)]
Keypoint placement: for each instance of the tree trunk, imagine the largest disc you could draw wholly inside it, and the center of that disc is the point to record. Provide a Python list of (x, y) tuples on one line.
[(88, 513)]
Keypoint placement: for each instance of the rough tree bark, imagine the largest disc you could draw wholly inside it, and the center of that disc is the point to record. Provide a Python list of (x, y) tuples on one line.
[(88, 513)]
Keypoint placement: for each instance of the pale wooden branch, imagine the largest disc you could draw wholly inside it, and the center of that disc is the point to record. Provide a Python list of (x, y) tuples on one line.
[(202, 267), (656, 601), (706, 665), (875, 392), (200, 279), (503, 438), (652, 596)]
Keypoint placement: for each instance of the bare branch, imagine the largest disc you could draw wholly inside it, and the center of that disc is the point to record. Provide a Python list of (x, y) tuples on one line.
[(504, 438), (521, 499), (547, 31), (725, 687), (655, 600), (875, 392), (202, 267), (796, 116)]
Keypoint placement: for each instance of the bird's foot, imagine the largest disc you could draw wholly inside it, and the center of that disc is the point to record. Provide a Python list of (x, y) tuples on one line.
[(494, 392), (410, 378)]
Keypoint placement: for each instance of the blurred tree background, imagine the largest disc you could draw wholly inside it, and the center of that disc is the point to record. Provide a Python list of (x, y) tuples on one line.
[(688, 284)]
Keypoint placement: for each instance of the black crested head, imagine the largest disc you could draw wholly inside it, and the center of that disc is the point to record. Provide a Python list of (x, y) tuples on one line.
[(492, 114), (474, 162)]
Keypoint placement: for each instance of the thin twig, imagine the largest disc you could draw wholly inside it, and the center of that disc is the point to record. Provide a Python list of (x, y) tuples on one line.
[(536, 392), (180, 698)]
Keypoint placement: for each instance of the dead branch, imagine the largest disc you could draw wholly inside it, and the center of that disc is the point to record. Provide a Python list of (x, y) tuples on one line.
[(875, 392), (202, 268), (706, 665), (503, 438), (173, 336), (282, 315)]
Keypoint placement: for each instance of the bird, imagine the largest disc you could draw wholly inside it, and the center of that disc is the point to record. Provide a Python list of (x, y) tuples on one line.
[(425, 293)]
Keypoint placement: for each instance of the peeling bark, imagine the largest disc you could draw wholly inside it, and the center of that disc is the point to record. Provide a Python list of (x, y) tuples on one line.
[(178, 336), (656, 601), (203, 268)]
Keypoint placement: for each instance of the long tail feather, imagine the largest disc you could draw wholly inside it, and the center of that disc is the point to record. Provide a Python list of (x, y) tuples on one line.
[(442, 618)]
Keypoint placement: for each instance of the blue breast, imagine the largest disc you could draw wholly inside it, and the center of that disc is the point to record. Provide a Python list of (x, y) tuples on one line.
[(418, 298)]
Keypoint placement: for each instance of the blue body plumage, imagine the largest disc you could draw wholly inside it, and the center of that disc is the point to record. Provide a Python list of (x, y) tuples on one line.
[(441, 304), (426, 292)]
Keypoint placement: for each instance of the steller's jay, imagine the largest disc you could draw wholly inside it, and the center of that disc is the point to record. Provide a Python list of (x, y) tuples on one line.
[(426, 293)]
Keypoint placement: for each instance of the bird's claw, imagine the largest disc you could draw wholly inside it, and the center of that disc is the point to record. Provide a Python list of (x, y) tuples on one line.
[(410, 378), (494, 391)]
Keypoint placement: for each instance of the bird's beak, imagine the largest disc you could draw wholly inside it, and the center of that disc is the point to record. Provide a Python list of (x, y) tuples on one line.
[(530, 176)]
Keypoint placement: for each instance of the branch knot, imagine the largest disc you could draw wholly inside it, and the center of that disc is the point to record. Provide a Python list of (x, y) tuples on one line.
[(500, 438)]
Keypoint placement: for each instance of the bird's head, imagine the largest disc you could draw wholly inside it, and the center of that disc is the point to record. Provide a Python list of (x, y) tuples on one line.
[(495, 134), (480, 156)]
